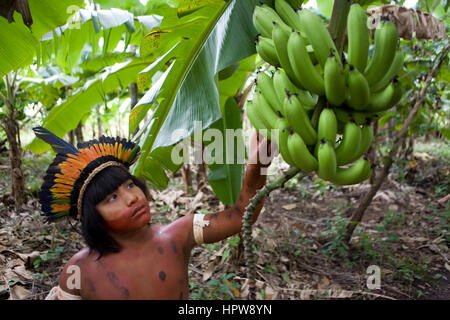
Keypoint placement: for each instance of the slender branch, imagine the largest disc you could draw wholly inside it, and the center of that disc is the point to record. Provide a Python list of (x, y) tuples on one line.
[(367, 199), (247, 224)]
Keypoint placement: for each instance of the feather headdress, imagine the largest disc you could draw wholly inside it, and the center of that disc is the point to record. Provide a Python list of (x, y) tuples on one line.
[(69, 174)]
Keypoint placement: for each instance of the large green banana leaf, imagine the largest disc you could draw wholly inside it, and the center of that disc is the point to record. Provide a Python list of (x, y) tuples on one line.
[(63, 46), (66, 116), (210, 38), (18, 44)]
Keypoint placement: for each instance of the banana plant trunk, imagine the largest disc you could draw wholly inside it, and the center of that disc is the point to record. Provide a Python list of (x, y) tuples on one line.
[(12, 134)]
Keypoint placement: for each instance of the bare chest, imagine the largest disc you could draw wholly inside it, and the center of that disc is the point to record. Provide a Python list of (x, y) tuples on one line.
[(158, 272)]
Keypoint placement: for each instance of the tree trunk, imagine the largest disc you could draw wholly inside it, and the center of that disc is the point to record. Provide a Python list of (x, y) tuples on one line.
[(187, 178), (12, 135), (79, 132), (71, 137)]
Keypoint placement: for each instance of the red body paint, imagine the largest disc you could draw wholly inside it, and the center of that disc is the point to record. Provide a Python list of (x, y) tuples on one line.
[(133, 218)]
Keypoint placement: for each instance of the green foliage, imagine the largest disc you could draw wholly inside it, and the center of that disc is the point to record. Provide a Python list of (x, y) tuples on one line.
[(336, 229), (215, 289), (193, 44), (434, 114), (52, 254), (19, 44)]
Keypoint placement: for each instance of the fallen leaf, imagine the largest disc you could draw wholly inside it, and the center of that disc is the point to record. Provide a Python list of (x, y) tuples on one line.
[(447, 266), (324, 283), (269, 292), (209, 271), (21, 271), (289, 206), (19, 293)]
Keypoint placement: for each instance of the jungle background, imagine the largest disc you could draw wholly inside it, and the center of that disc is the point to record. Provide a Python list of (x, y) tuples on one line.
[(142, 69)]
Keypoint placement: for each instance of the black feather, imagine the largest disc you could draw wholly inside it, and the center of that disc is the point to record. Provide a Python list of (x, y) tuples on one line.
[(57, 144)]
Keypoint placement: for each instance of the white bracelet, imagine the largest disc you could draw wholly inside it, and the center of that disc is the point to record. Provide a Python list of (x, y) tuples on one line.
[(199, 223)]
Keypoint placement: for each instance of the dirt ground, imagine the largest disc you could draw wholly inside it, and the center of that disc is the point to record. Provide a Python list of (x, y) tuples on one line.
[(404, 234)]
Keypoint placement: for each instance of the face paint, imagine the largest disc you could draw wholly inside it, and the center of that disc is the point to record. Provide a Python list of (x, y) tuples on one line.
[(132, 218)]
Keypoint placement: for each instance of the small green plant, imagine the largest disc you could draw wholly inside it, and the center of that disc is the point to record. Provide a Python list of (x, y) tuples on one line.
[(409, 270), (50, 255), (215, 289), (336, 247), (320, 185), (394, 219)]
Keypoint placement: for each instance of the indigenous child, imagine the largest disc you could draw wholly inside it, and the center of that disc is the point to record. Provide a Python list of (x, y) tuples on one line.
[(127, 257)]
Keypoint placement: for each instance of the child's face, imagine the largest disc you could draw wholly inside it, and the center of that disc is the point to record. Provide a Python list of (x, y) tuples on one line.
[(126, 208)]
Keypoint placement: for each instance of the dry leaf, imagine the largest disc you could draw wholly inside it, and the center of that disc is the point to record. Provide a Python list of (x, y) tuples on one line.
[(289, 206), (21, 271), (324, 283), (270, 293), (209, 271), (409, 21), (19, 293), (447, 266)]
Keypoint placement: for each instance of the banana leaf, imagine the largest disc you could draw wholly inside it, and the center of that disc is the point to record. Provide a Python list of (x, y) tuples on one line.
[(66, 116), (211, 37), (18, 44)]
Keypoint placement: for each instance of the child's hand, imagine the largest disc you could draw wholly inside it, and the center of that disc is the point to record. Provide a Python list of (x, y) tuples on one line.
[(261, 152)]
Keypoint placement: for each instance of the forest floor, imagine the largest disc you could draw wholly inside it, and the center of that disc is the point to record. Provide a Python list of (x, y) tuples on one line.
[(404, 235)]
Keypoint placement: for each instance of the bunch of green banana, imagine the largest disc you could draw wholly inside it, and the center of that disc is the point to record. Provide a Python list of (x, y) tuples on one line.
[(318, 105)]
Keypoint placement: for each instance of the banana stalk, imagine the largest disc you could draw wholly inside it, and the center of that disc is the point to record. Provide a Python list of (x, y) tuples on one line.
[(247, 223)]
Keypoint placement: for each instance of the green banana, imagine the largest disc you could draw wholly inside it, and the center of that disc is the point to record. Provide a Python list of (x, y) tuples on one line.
[(380, 101), (394, 70), (281, 83), (358, 37), (287, 14), (266, 49), (385, 44), (263, 18), (350, 143), (299, 119), (357, 173), (327, 164), (264, 83), (334, 81), (300, 154), (280, 39), (304, 71), (398, 92), (264, 110), (366, 141), (358, 90), (282, 126), (317, 34), (327, 126), (257, 121)]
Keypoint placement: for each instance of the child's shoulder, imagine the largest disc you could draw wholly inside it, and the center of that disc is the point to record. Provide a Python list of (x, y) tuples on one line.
[(71, 273)]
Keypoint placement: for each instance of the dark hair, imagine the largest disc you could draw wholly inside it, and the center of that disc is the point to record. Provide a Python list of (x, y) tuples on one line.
[(93, 226)]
